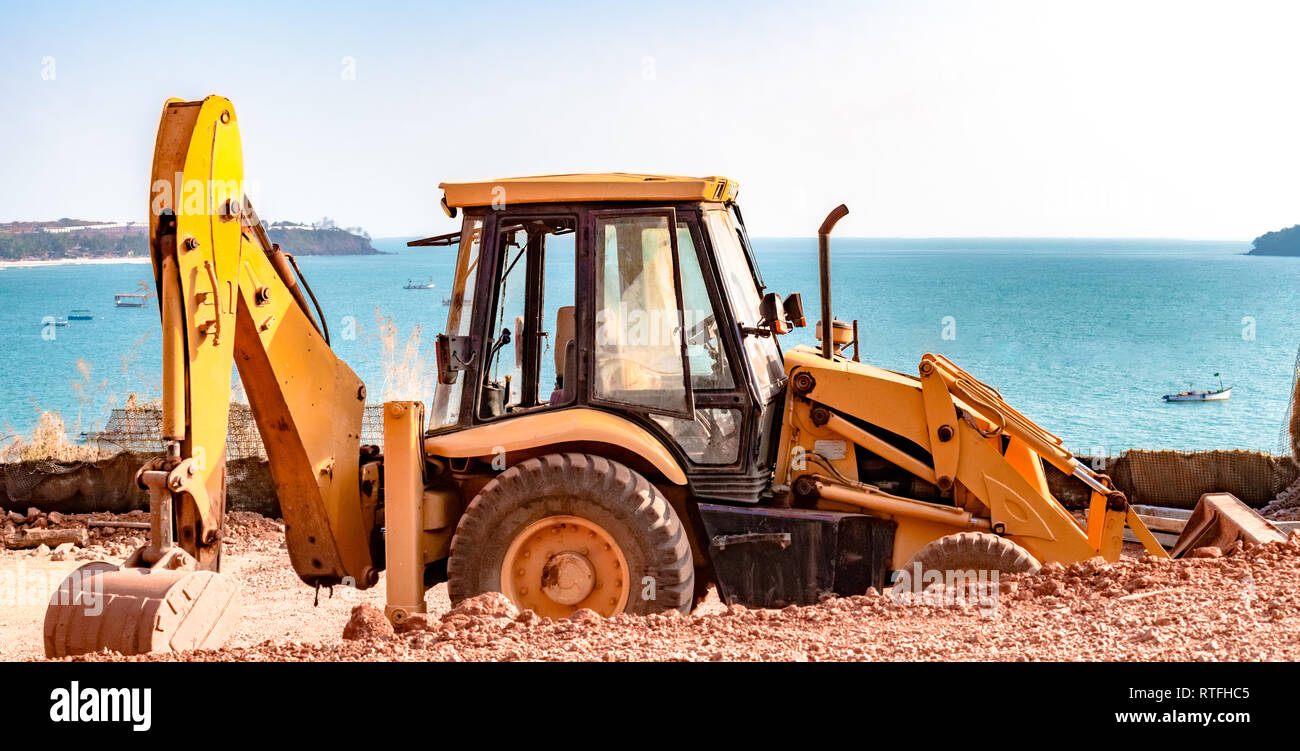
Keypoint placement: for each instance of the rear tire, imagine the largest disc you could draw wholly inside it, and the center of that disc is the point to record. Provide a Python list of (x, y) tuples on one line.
[(573, 531)]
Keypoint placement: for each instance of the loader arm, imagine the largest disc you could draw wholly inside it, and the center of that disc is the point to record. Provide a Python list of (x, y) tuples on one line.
[(227, 294), (966, 441)]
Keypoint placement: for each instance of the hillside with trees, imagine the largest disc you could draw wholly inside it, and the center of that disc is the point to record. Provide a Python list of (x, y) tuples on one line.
[(1283, 242), (68, 239)]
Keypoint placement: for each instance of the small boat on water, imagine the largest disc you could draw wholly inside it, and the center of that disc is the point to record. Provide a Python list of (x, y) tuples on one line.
[(1199, 396), (1218, 395), (81, 314), (135, 299), (61, 321), (417, 284)]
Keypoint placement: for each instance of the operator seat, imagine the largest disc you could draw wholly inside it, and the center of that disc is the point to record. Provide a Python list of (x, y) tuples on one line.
[(566, 357)]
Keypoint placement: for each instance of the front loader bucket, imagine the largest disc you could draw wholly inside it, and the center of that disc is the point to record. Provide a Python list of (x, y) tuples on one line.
[(138, 610), (1220, 520)]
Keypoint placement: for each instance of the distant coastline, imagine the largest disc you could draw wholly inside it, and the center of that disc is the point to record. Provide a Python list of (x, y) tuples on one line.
[(29, 264), (73, 240)]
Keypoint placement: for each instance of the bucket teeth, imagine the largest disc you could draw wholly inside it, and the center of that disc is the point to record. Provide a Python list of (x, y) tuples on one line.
[(135, 611)]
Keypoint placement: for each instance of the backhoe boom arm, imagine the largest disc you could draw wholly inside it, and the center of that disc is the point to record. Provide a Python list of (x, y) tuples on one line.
[(227, 294)]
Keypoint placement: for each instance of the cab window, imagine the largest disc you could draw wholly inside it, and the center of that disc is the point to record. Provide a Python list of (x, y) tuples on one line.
[(447, 396), (742, 290), (710, 369), (639, 348), (530, 340)]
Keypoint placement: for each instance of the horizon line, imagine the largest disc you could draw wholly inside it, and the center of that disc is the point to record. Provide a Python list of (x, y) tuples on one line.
[(955, 237)]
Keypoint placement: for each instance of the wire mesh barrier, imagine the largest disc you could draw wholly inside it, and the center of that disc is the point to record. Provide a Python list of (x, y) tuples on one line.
[(20, 479), (1286, 501), (131, 429), (1178, 479), (139, 429), (1288, 441)]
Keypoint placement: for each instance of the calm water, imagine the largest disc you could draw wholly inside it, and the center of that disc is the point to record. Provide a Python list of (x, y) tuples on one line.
[(1081, 335)]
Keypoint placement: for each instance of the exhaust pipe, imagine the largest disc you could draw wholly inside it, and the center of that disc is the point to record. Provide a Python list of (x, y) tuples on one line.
[(824, 263)]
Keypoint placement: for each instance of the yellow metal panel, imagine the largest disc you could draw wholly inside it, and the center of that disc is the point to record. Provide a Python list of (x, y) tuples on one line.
[(615, 186), (980, 463), (173, 347), (403, 517), (552, 427), (941, 422), (441, 508), (1111, 541), (1028, 464), (308, 405), (881, 397), (198, 164), (1016, 515)]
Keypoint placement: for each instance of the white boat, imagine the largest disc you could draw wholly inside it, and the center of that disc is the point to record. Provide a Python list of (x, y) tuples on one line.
[(1199, 396), (1220, 395), (416, 284)]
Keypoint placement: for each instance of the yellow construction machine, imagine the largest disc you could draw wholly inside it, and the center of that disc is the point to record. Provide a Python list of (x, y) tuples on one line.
[(615, 425)]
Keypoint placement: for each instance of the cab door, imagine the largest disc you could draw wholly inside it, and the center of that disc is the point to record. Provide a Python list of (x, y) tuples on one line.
[(639, 358)]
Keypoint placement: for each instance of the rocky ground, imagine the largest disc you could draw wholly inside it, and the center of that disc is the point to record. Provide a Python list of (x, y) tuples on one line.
[(1243, 606)]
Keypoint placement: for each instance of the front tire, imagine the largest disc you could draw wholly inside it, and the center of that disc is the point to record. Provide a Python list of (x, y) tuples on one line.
[(967, 551), (562, 532)]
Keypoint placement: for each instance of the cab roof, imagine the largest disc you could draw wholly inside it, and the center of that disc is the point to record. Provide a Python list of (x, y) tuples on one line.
[(613, 186)]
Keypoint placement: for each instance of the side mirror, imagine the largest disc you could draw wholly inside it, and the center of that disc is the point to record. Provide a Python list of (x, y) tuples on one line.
[(794, 310), (771, 314)]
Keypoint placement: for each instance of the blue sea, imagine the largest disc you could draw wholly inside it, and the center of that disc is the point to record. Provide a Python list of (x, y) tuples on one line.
[(1083, 336)]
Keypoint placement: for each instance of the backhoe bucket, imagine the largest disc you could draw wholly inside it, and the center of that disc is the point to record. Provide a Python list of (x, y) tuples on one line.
[(138, 610), (1219, 521)]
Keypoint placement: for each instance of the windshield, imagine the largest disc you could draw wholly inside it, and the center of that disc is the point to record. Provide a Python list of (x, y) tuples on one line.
[(446, 399), (742, 290)]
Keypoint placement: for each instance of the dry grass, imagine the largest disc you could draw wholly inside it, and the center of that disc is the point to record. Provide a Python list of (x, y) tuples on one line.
[(48, 441), (408, 373)]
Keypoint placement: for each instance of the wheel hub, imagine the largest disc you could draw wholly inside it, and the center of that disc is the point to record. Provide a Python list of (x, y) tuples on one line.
[(568, 578), (560, 564)]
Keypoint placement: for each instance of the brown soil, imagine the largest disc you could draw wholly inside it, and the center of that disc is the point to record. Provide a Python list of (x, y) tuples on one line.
[(1243, 606)]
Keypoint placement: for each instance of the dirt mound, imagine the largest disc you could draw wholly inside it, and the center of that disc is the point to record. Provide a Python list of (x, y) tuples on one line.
[(1242, 606), (248, 528), (489, 604), (367, 622)]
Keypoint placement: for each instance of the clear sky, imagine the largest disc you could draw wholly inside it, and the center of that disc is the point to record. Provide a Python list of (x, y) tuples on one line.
[(963, 118)]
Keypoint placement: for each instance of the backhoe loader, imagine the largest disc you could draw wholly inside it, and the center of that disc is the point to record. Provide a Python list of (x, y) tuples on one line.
[(614, 426)]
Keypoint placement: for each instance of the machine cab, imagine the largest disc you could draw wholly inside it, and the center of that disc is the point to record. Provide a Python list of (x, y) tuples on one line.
[(632, 294)]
